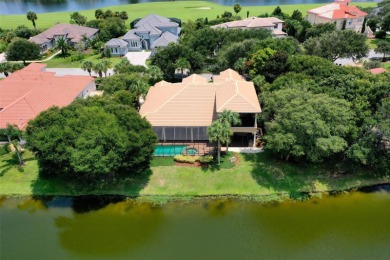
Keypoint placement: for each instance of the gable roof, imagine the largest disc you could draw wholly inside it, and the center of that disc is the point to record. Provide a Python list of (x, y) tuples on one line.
[(73, 32), (338, 10), (194, 102), (115, 42), (27, 92)]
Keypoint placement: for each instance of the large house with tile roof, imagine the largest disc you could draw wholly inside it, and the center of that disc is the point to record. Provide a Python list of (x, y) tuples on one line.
[(73, 33), (150, 33), (31, 90), (272, 24), (339, 12), (181, 112)]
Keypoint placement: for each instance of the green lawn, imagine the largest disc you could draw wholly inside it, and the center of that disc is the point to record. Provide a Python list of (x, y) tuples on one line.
[(373, 43), (184, 10), (66, 62), (255, 175)]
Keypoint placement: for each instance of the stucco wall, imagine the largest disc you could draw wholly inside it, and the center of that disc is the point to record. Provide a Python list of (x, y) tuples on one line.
[(88, 89)]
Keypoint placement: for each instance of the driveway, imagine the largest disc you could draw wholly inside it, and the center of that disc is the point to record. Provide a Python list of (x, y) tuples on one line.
[(138, 58), (74, 71)]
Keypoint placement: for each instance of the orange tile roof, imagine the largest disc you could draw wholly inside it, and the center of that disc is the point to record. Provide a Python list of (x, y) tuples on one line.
[(336, 11), (194, 102), (377, 70), (27, 92)]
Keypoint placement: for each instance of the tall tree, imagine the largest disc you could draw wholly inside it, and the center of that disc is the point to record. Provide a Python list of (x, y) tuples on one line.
[(155, 74), (13, 134), (87, 66), (90, 138), (219, 132), (123, 15), (99, 14), (31, 16), (22, 49), (338, 44), (99, 68), (384, 48), (78, 18), (107, 65), (182, 64), (237, 8), (306, 126), (63, 45), (297, 15), (231, 118)]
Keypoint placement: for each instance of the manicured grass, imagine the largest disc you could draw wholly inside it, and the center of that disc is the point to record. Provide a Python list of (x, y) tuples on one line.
[(162, 161), (66, 62), (185, 10), (255, 175), (373, 43)]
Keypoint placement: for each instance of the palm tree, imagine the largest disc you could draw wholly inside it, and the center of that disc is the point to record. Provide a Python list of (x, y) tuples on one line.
[(219, 132), (155, 74), (31, 16), (63, 45), (87, 66), (182, 63), (139, 88), (98, 68), (5, 68), (119, 67), (231, 118), (12, 132), (107, 65)]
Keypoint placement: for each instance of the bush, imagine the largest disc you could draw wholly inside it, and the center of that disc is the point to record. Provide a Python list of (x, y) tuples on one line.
[(192, 159), (380, 34), (206, 159), (371, 64), (186, 159)]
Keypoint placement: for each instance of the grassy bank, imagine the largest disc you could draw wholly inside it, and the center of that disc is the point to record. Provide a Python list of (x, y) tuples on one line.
[(254, 175), (184, 10)]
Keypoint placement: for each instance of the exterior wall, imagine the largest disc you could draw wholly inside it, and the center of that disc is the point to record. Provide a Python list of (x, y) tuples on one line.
[(117, 51), (314, 19), (87, 90), (279, 26), (134, 45), (352, 24)]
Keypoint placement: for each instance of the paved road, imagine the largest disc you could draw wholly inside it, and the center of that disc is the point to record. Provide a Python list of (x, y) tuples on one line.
[(138, 58), (371, 55)]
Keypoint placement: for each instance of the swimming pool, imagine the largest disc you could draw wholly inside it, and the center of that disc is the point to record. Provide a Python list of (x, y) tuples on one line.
[(169, 150)]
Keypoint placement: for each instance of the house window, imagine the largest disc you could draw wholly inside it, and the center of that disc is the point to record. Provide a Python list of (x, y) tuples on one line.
[(350, 22)]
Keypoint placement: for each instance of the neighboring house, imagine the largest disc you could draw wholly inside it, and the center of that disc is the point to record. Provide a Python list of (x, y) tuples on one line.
[(29, 91), (273, 24), (151, 32), (182, 112), (339, 12), (377, 71), (73, 33), (117, 47)]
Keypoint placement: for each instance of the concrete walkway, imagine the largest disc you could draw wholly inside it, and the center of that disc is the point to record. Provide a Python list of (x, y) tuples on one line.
[(138, 58)]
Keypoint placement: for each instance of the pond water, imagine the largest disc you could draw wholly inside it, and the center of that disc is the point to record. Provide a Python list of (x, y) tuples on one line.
[(43, 6), (352, 226)]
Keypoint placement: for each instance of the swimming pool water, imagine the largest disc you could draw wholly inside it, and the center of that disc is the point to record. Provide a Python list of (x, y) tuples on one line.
[(169, 150)]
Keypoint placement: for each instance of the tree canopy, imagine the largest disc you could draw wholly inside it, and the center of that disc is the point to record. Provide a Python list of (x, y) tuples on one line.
[(94, 136), (22, 50)]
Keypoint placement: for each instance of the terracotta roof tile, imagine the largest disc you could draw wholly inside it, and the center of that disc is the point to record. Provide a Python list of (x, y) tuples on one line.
[(377, 70), (27, 92), (194, 102)]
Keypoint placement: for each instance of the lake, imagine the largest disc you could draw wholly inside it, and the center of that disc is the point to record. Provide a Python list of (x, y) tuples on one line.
[(44, 6), (350, 226)]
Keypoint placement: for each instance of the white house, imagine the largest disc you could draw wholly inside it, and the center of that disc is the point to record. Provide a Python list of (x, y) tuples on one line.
[(339, 12)]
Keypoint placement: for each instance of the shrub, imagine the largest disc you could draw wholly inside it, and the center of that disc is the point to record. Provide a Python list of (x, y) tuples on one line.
[(371, 64), (206, 159), (186, 158), (380, 34)]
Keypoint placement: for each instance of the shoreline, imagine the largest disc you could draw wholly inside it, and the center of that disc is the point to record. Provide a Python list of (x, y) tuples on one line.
[(184, 10)]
